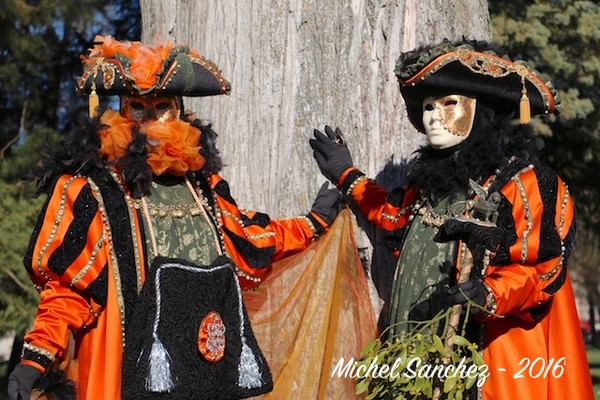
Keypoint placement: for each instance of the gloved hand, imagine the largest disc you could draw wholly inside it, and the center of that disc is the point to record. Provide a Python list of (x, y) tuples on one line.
[(490, 237), (327, 205), (21, 381), (331, 153), (473, 290)]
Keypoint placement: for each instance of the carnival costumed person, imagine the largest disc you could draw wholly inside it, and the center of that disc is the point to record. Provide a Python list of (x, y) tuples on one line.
[(140, 253), (481, 164)]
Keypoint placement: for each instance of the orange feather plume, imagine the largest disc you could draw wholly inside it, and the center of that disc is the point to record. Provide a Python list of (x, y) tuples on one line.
[(146, 62)]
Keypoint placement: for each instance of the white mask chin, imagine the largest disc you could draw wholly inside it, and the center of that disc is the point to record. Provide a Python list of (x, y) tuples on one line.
[(448, 120)]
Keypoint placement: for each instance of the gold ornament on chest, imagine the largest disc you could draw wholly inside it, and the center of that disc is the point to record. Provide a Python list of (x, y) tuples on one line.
[(485, 206), (171, 211)]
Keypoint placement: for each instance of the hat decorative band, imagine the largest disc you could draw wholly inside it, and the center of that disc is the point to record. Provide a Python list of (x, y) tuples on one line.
[(483, 64), (132, 68)]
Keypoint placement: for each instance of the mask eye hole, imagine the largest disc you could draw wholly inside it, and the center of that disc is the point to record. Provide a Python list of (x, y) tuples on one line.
[(428, 107), (162, 106), (137, 105), (450, 103)]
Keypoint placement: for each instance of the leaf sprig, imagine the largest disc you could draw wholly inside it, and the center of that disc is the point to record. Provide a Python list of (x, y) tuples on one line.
[(417, 362)]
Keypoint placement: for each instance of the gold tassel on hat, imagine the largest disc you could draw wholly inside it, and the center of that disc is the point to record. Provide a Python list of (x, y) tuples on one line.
[(93, 102), (524, 106)]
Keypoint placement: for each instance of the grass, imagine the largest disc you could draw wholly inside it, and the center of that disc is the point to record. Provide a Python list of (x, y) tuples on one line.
[(593, 354)]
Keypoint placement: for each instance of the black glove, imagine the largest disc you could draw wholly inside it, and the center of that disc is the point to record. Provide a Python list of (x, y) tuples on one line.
[(433, 304), (331, 153), (21, 381), (473, 290), (327, 206), (490, 237)]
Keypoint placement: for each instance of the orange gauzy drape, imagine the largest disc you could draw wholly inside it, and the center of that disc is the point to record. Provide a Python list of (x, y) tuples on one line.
[(312, 311)]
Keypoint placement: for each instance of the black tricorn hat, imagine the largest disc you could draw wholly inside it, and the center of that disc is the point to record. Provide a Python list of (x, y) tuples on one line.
[(473, 68), (131, 68)]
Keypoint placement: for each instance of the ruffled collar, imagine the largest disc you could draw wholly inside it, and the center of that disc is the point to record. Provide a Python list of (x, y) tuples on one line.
[(173, 148)]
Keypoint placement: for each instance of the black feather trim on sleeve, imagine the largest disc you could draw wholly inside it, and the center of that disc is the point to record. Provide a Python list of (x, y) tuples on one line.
[(77, 153)]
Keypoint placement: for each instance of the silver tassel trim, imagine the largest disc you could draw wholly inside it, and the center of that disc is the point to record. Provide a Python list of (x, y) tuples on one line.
[(159, 379), (248, 371)]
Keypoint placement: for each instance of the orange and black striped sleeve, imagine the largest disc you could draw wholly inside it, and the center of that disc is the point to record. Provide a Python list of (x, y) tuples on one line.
[(542, 226), (67, 261)]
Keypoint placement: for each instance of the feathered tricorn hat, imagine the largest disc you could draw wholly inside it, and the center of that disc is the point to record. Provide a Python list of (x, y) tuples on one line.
[(115, 67), (478, 69)]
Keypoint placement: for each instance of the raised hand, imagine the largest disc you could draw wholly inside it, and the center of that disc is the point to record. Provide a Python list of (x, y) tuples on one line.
[(331, 153)]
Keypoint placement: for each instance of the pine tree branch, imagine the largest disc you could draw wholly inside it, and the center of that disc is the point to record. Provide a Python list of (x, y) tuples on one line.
[(19, 133), (15, 279)]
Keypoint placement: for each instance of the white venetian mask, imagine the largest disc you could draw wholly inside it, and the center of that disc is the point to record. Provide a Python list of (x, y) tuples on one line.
[(448, 120)]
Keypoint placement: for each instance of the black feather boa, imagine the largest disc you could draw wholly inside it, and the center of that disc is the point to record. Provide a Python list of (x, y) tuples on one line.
[(55, 385), (494, 140), (77, 153)]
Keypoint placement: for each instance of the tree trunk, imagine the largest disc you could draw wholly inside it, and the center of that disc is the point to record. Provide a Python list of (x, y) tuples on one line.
[(297, 65)]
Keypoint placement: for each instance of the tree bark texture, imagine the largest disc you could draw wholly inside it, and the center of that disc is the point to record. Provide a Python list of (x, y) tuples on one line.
[(297, 65)]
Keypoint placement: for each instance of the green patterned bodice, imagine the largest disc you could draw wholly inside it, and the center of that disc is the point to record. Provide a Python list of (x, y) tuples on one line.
[(422, 273), (181, 228)]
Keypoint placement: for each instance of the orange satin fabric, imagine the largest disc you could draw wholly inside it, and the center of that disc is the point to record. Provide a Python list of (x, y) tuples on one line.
[(516, 341), (312, 310), (59, 309), (513, 344), (515, 338), (56, 223), (96, 358), (287, 236), (94, 361), (97, 364)]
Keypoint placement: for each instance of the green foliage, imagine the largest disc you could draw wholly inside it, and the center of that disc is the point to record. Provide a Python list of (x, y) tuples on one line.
[(18, 297), (421, 362), (40, 44), (27, 153), (562, 38)]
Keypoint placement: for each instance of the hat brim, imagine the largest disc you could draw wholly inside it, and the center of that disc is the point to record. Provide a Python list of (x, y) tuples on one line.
[(494, 80), (185, 76)]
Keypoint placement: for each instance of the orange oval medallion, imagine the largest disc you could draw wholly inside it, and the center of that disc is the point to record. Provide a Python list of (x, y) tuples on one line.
[(211, 337)]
